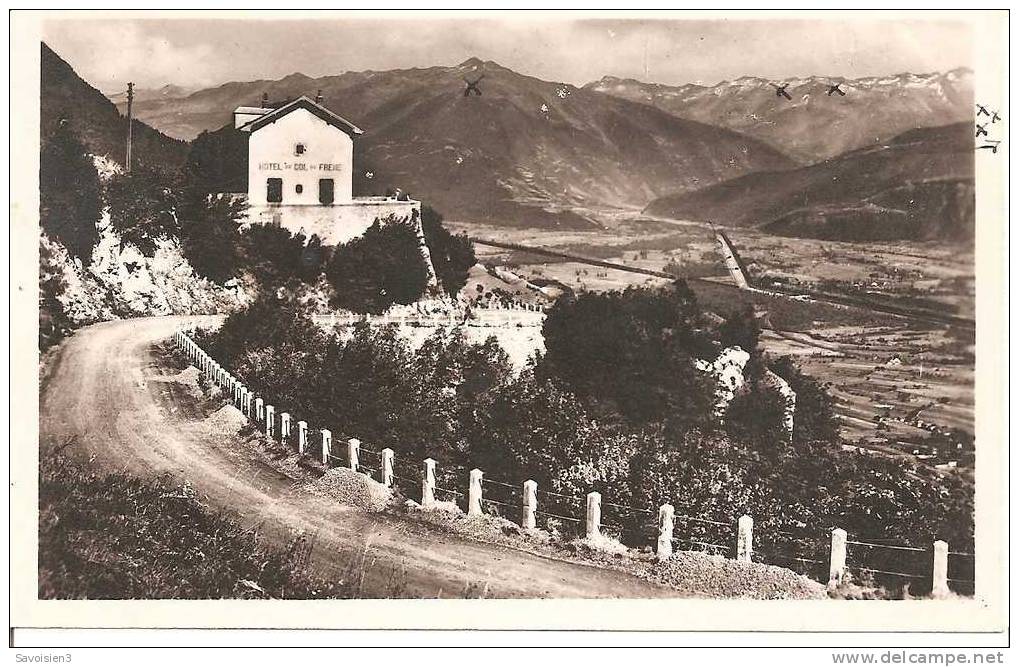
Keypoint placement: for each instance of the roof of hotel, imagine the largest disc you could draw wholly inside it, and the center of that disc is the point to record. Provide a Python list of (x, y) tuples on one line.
[(271, 116), (258, 110)]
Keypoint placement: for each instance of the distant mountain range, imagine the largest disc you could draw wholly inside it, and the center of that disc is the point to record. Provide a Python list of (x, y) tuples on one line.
[(531, 152), (169, 91), (66, 98), (812, 125), (918, 185), (521, 153)]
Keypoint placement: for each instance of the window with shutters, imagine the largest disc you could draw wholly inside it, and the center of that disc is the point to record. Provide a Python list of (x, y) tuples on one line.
[(325, 191), (274, 190)]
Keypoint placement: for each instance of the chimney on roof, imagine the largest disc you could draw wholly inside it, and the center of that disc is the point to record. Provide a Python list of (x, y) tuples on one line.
[(318, 97), (265, 100)]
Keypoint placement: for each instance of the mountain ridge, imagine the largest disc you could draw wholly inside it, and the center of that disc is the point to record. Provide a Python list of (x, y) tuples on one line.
[(919, 185), (66, 97), (523, 152), (812, 125)]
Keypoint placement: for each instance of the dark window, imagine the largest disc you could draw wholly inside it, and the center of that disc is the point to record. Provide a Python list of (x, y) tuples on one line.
[(299, 189), (325, 191), (274, 190), (299, 149)]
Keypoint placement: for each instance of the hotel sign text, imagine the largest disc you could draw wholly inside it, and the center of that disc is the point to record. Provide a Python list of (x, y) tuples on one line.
[(299, 166)]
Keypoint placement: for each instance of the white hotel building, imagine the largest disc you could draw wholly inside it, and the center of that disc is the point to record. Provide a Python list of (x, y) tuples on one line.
[(300, 173)]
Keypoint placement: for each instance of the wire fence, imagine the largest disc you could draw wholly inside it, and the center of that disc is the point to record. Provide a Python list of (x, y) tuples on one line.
[(889, 563)]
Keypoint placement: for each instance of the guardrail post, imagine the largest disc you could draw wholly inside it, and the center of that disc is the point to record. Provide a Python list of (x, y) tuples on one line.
[(353, 451), (940, 583), (387, 466), (745, 539), (246, 403), (837, 571), (327, 445), (530, 504), (302, 436), (270, 421), (428, 484), (474, 493), (666, 522), (259, 409), (285, 427), (594, 514)]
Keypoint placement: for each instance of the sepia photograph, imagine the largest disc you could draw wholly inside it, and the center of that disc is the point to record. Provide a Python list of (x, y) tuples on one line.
[(482, 306)]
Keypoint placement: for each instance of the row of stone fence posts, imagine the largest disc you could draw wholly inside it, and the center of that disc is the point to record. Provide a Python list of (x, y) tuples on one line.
[(243, 398)]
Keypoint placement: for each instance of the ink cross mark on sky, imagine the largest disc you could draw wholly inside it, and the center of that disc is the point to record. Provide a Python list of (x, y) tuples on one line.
[(472, 86), (780, 91)]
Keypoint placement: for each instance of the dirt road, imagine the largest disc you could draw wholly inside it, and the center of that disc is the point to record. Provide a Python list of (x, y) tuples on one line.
[(106, 386)]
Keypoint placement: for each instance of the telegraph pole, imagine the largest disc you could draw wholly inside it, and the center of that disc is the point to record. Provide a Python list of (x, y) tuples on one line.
[(130, 100)]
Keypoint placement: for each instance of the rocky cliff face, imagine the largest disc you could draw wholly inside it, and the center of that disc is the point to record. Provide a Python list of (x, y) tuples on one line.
[(121, 282)]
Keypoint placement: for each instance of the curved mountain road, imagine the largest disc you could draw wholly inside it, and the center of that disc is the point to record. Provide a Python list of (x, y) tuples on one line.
[(106, 387)]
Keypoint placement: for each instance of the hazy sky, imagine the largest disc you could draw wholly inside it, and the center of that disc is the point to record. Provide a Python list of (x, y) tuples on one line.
[(208, 52)]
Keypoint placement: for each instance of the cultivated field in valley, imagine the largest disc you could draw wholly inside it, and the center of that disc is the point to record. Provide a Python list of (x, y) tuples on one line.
[(901, 387)]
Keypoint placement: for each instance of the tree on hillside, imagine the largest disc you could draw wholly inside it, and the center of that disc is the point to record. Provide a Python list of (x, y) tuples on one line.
[(452, 256), (814, 419), (217, 161), (632, 352), (276, 256), (740, 328), (144, 207), (209, 235), (367, 388), (757, 416), (70, 200), (533, 428), (381, 268), (267, 322)]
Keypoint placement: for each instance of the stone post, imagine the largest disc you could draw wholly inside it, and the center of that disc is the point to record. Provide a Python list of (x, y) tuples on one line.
[(302, 436), (474, 494), (837, 571), (259, 409), (327, 445), (353, 451), (387, 466), (666, 522), (270, 421), (594, 514), (428, 484), (745, 539), (940, 583), (285, 427), (530, 504)]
